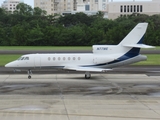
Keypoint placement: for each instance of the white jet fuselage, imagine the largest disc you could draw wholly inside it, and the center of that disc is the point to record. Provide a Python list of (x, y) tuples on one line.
[(59, 60), (73, 61)]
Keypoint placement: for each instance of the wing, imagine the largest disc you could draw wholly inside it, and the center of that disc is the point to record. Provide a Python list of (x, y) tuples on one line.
[(89, 69)]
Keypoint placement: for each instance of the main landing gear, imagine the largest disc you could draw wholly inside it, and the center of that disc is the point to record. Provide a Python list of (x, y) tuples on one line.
[(29, 74), (87, 75)]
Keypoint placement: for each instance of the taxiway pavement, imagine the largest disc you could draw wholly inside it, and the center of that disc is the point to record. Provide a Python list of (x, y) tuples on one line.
[(150, 70), (71, 97)]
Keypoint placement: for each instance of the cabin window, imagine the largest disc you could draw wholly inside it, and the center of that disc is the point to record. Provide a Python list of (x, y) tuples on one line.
[(64, 58), (79, 58), (54, 58), (59, 58), (49, 58), (74, 58), (69, 58)]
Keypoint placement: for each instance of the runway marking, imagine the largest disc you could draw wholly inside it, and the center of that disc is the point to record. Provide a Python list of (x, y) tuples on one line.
[(6, 79), (62, 97), (120, 89), (135, 98)]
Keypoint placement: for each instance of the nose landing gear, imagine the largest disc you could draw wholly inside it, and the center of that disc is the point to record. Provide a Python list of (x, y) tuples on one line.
[(29, 74)]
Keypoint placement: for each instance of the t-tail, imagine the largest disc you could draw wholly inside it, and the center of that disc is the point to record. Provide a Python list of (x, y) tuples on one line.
[(134, 40), (127, 51)]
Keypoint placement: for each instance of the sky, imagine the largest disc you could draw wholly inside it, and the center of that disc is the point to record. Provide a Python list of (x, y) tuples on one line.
[(31, 2)]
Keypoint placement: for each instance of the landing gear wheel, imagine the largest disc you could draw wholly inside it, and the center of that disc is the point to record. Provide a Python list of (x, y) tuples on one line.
[(29, 77), (87, 75)]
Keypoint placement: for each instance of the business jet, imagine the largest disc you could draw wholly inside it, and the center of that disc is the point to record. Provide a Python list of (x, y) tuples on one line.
[(103, 58)]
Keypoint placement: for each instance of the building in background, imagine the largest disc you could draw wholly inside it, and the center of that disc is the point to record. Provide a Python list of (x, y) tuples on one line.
[(112, 9), (10, 5), (116, 9), (71, 6)]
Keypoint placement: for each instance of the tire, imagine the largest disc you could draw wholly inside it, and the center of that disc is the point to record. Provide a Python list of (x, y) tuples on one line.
[(29, 77)]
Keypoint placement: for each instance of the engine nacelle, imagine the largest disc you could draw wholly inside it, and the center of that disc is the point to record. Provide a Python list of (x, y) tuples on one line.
[(99, 59)]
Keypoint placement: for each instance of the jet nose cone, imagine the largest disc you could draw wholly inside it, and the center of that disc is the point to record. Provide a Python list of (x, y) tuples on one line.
[(10, 65), (7, 65)]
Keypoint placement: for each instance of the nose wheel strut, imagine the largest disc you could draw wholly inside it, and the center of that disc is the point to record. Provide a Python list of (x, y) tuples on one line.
[(29, 74)]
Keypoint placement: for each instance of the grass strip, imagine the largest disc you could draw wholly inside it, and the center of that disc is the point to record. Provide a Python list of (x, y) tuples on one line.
[(45, 48), (152, 59), (4, 59)]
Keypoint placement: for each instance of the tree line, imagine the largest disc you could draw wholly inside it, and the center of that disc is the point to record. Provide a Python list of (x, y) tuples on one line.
[(33, 27)]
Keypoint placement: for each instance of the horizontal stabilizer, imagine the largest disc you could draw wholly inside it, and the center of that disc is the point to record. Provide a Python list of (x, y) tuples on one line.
[(139, 46), (90, 69)]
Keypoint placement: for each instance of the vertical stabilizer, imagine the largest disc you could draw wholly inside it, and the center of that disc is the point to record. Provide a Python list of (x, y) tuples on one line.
[(136, 35)]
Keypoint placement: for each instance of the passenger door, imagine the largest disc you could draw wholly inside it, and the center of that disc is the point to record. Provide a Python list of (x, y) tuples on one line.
[(37, 62)]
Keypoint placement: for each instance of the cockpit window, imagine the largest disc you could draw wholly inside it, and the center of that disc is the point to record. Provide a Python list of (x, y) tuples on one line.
[(23, 58), (26, 58)]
